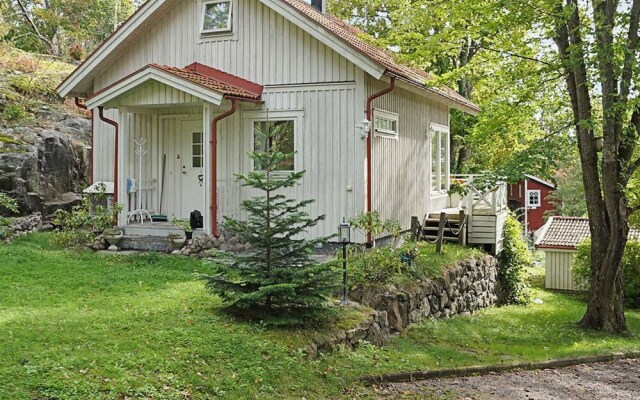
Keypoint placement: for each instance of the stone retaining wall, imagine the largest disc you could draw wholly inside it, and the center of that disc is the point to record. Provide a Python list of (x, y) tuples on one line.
[(21, 226), (467, 287)]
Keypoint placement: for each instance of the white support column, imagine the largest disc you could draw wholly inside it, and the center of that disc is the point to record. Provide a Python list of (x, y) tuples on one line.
[(207, 116), (123, 164)]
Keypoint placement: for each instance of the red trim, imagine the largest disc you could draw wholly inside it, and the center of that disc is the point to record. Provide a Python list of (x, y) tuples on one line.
[(214, 166), (117, 156), (369, 113), (84, 107), (548, 246)]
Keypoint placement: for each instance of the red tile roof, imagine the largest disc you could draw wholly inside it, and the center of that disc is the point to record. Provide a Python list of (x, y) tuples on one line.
[(216, 80), (209, 78), (568, 232), (352, 36)]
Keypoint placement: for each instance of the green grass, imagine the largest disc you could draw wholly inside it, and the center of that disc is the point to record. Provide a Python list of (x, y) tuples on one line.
[(76, 325)]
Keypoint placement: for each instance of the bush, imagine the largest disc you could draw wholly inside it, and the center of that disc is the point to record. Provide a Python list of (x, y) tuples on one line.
[(80, 226), (371, 222), (514, 259), (375, 267), (581, 270), (13, 113)]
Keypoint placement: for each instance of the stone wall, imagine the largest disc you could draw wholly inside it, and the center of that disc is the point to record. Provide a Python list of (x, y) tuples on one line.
[(467, 287), (21, 226), (203, 246)]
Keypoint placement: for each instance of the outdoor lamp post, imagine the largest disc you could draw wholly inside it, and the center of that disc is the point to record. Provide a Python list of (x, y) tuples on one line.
[(344, 230)]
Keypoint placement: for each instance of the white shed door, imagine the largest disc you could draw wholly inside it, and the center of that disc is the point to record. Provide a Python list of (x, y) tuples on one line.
[(192, 168)]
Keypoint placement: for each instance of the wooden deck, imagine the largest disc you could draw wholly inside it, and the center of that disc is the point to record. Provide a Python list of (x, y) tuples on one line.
[(485, 213)]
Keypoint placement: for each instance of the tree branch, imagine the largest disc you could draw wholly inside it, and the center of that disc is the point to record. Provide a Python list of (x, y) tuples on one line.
[(630, 56), (33, 26), (504, 52)]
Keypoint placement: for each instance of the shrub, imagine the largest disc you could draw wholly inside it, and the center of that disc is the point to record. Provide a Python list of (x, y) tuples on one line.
[(13, 112), (514, 259), (80, 226), (8, 206), (581, 270), (371, 222), (375, 267)]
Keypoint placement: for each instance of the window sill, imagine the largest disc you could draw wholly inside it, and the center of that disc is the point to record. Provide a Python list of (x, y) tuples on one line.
[(216, 36)]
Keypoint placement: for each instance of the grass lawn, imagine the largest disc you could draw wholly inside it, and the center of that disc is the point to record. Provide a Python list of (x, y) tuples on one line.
[(76, 325)]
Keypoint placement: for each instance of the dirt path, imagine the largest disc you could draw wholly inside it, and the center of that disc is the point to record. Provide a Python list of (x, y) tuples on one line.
[(618, 380)]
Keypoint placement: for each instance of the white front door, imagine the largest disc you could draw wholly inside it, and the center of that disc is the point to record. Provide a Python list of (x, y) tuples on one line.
[(192, 168)]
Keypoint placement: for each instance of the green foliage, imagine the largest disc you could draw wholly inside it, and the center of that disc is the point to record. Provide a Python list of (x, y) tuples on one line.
[(372, 223), (62, 27), (80, 226), (276, 275), (403, 264), (581, 270), (13, 113), (568, 198), (515, 258), (8, 206), (183, 225)]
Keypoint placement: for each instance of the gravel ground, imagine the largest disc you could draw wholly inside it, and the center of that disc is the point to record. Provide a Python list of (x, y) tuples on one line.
[(618, 380)]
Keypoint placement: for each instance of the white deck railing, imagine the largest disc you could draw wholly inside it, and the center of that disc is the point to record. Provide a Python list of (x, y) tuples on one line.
[(480, 199)]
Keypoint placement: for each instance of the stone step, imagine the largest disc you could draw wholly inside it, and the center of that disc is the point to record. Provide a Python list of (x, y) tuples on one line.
[(145, 243)]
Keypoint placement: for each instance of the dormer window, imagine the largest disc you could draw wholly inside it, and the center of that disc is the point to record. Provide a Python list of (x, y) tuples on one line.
[(216, 16)]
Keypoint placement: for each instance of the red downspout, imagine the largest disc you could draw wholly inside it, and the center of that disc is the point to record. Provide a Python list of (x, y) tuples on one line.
[(214, 166), (84, 107), (369, 113), (117, 158)]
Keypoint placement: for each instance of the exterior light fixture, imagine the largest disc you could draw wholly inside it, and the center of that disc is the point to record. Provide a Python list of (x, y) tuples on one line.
[(599, 141), (344, 232), (364, 126)]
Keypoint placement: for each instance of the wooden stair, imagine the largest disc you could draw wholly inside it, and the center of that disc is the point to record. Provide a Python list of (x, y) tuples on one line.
[(443, 227)]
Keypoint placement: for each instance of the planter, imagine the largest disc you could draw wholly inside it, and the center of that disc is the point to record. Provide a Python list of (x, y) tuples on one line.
[(189, 235), (176, 242), (113, 237)]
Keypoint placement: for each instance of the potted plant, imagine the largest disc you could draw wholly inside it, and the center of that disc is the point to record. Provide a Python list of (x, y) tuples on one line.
[(176, 241), (184, 226), (113, 236)]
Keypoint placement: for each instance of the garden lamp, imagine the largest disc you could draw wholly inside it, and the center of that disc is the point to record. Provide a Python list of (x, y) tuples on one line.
[(344, 230)]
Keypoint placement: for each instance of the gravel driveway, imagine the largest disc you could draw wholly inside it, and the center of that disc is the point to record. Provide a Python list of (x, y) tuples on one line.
[(617, 380)]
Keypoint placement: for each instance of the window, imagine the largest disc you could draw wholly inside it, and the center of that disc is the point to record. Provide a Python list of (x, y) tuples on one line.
[(216, 16), (439, 158), (385, 124), (281, 139), (533, 198), (197, 157)]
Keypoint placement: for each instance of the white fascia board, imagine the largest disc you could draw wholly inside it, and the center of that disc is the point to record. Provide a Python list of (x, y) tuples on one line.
[(109, 46), (327, 38), (159, 76), (535, 178), (430, 94)]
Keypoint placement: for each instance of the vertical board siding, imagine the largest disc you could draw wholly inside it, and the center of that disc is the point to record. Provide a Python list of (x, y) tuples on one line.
[(401, 168), (264, 47), (558, 266)]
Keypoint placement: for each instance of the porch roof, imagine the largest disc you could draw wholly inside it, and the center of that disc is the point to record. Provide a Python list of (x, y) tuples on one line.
[(206, 83)]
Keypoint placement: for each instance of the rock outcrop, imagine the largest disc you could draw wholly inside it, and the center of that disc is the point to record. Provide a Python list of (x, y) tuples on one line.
[(39, 165)]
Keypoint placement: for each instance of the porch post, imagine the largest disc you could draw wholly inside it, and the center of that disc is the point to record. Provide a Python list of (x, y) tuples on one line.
[(207, 116), (123, 165)]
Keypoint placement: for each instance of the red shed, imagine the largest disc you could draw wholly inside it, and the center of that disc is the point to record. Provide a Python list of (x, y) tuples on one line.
[(532, 193)]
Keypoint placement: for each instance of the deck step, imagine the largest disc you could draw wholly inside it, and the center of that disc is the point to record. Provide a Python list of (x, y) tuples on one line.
[(445, 238)]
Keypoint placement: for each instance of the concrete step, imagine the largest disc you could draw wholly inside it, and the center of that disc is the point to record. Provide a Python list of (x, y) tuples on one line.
[(145, 243)]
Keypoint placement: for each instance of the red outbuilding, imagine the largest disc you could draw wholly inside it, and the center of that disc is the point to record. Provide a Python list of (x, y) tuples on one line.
[(531, 195)]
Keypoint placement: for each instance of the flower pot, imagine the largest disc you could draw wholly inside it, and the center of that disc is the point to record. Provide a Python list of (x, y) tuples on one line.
[(113, 237), (188, 235), (176, 242)]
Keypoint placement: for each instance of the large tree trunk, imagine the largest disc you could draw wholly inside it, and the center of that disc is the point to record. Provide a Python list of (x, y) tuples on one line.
[(605, 197)]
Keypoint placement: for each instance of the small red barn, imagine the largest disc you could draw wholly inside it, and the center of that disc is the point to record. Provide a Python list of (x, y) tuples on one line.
[(531, 194)]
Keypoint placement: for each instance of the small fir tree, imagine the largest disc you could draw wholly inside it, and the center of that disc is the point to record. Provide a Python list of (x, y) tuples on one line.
[(277, 272)]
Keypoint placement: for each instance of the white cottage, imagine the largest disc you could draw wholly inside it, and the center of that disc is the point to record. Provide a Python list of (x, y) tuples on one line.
[(194, 79)]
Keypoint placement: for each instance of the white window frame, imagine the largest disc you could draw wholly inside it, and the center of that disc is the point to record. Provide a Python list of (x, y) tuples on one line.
[(529, 204), (389, 116), (440, 130), (264, 116), (229, 18)]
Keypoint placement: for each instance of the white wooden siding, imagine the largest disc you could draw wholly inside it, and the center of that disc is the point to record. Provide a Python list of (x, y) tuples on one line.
[(558, 265), (401, 168), (264, 48)]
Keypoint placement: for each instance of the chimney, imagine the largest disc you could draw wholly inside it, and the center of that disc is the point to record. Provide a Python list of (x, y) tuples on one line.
[(319, 5)]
